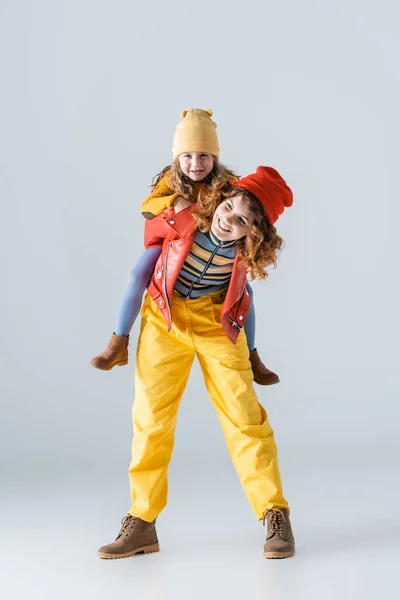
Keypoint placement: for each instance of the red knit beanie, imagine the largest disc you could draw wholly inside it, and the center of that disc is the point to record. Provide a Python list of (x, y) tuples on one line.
[(270, 189)]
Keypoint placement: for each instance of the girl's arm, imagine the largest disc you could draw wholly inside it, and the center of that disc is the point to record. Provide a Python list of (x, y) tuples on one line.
[(161, 198)]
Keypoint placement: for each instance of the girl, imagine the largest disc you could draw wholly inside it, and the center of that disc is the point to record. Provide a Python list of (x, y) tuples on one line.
[(235, 229), (195, 175)]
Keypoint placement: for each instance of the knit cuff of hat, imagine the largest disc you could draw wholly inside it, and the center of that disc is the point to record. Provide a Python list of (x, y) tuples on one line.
[(206, 147)]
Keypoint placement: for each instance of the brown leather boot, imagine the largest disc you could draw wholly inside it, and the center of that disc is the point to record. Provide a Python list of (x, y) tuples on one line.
[(136, 536), (262, 375), (280, 540), (116, 353)]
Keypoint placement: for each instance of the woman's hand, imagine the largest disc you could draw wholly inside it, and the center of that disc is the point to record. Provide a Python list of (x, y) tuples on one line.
[(180, 203)]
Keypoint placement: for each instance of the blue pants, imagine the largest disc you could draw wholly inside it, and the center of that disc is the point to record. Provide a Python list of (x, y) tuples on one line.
[(136, 285)]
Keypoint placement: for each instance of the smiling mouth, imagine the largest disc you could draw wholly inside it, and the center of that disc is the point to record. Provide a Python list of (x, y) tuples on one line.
[(223, 226)]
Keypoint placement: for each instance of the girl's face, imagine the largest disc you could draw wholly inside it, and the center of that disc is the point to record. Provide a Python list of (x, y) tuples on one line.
[(196, 165), (232, 219)]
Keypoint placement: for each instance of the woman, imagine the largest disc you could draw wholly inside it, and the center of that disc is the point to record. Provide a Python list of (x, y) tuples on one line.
[(197, 304)]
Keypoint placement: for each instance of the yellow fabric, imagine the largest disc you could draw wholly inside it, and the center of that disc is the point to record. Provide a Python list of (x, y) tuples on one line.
[(163, 364), (196, 133), (161, 198)]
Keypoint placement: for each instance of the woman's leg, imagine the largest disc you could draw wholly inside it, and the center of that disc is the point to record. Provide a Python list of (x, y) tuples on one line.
[(138, 281), (250, 323), (229, 380), (163, 364), (162, 368)]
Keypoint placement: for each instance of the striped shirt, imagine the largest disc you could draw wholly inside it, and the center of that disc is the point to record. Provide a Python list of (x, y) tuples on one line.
[(208, 266)]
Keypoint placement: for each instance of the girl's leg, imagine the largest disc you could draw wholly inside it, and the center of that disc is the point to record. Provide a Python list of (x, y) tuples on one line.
[(262, 375), (138, 281), (250, 323), (116, 352)]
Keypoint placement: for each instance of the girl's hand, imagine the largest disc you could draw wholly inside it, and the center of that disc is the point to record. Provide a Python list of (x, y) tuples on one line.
[(180, 203)]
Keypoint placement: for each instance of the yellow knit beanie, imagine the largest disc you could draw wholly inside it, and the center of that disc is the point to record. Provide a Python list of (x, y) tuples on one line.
[(196, 133)]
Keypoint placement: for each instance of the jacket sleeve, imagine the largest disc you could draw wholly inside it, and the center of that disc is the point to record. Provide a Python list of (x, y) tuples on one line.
[(160, 199)]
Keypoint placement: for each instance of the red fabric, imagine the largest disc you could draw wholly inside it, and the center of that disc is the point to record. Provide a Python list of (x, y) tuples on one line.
[(270, 189), (174, 233)]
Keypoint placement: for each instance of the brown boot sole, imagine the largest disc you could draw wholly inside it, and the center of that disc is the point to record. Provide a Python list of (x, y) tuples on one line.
[(267, 383), (144, 549), (118, 364), (279, 554)]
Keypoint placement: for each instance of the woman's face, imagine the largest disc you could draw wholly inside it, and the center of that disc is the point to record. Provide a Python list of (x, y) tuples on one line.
[(232, 219), (196, 165)]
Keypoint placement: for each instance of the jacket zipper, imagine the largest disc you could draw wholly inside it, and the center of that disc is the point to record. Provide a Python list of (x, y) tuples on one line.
[(205, 268), (165, 289), (233, 323)]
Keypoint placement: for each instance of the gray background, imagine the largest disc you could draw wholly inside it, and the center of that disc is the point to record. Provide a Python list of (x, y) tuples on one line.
[(91, 95)]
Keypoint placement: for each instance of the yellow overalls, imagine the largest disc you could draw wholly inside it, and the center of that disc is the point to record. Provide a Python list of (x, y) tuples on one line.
[(163, 365)]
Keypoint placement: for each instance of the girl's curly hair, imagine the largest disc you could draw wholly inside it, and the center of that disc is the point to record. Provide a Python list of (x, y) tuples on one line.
[(260, 248), (218, 180)]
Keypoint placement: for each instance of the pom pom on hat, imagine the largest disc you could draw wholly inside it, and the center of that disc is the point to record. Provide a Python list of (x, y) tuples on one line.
[(196, 133), (270, 189)]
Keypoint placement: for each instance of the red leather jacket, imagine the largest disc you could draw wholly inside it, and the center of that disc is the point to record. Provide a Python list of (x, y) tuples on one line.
[(175, 233)]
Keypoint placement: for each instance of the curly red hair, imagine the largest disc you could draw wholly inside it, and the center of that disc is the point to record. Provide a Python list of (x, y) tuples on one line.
[(260, 248)]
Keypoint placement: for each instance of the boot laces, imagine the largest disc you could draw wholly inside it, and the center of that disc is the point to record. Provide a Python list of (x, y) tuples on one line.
[(276, 522), (126, 523)]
